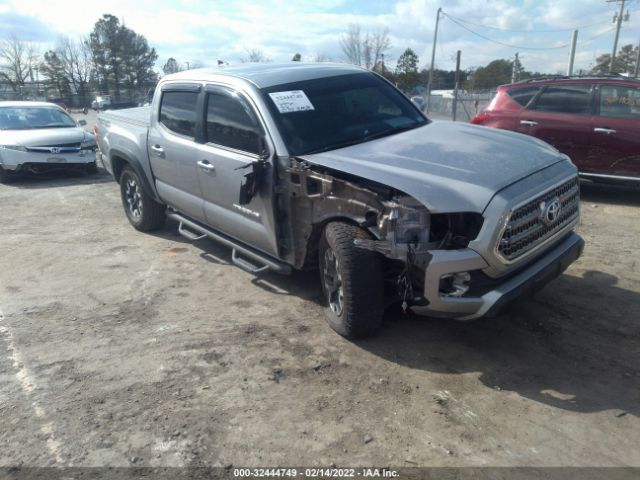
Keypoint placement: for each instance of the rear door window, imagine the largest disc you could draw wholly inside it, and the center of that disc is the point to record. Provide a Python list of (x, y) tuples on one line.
[(619, 102), (231, 123), (523, 95), (178, 112), (574, 99)]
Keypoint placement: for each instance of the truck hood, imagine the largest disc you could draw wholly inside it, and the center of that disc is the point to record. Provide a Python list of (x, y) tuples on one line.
[(449, 167), (42, 137)]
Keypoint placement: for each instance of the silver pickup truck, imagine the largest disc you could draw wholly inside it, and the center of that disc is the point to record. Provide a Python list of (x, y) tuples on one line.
[(324, 166)]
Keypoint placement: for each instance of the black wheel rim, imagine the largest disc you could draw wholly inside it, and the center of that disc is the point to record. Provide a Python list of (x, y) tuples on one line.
[(333, 282), (133, 196)]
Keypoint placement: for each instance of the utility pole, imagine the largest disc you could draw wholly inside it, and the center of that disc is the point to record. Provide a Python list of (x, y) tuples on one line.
[(514, 68), (637, 62), (572, 54), (433, 59), (618, 21), (455, 90)]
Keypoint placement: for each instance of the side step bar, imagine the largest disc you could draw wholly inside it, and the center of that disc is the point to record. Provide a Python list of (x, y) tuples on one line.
[(262, 262)]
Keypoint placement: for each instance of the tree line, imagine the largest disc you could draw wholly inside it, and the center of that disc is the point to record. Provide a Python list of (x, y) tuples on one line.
[(113, 59), (116, 60)]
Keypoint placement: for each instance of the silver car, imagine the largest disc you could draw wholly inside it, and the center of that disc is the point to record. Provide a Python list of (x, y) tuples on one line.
[(40, 137)]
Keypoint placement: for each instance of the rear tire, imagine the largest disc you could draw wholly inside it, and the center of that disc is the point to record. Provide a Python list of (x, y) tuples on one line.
[(143, 212), (352, 282)]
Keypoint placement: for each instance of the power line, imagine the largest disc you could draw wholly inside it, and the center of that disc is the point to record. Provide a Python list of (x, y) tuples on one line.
[(590, 39), (522, 31), (503, 43)]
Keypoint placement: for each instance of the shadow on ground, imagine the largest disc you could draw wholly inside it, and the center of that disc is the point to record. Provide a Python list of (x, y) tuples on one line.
[(579, 355), (573, 346), (57, 179), (610, 194)]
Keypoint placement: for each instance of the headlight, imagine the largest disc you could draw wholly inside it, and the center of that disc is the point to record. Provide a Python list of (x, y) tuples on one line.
[(410, 222), (88, 143), (17, 148)]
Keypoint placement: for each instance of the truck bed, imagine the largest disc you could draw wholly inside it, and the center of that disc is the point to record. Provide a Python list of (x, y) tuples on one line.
[(139, 116)]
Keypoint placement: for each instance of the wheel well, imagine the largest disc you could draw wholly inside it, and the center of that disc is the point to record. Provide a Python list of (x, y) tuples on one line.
[(311, 257), (118, 164)]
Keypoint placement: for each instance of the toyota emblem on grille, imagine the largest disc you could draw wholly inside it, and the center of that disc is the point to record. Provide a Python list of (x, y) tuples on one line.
[(551, 211), (55, 150)]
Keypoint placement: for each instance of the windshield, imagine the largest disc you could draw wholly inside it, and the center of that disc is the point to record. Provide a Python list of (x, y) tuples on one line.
[(26, 118), (328, 113)]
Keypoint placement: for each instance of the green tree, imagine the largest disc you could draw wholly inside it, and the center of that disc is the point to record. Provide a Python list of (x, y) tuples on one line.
[(171, 66), (139, 73), (297, 58), (497, 72), (407, 70), (625, 61), (122, 58)]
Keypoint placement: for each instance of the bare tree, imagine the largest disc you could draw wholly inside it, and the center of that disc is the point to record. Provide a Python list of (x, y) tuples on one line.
[(254, 55), (322, 57), (351, 45), (77, 63), (18, 60), (364, 50), (380, 43)]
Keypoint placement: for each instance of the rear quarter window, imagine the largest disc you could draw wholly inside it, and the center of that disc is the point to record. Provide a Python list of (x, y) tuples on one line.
[(178, 112), (523, 95)]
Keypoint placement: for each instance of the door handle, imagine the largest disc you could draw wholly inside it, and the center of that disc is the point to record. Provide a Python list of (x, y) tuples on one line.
[(606, 131), (528, 123), (158, 150), (206, 166)]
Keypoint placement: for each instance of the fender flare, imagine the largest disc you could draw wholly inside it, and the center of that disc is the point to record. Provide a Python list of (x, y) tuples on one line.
[(134, 163)]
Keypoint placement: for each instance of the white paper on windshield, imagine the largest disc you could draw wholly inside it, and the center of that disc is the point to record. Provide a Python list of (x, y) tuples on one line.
[(292, 101)]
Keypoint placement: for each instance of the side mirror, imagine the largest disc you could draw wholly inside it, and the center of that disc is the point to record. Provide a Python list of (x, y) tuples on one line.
[(82, 123)]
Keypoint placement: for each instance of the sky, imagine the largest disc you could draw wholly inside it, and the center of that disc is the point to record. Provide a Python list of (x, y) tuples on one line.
[(205, 31)]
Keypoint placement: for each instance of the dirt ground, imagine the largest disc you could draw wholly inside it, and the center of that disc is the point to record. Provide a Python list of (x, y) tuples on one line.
[(119, 348)]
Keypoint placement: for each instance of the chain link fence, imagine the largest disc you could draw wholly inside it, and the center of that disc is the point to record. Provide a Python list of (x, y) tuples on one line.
[(33, 92), (468, 105)]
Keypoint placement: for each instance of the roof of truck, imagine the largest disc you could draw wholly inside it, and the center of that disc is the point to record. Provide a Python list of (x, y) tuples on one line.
[(264, 75)]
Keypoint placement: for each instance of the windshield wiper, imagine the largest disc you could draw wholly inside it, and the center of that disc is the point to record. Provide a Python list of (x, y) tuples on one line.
[(336, 146), (391, 131)]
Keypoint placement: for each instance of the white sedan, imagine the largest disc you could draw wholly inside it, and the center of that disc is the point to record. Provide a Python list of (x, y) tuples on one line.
[(40, 137)]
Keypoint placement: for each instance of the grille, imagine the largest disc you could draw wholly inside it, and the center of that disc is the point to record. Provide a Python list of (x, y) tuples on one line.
[(63, 148), (533, 223)]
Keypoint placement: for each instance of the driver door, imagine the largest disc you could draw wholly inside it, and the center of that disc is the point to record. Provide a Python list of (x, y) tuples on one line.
[(233, 138)]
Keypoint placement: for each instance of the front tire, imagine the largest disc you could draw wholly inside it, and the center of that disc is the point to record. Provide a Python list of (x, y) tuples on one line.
[(352, 282), (143, 212)]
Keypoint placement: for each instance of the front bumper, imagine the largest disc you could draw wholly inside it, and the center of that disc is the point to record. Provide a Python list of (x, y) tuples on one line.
[(16, 161), (503, 291)]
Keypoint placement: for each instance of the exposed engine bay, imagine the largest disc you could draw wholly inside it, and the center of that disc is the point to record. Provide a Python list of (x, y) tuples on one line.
[(402, 229)]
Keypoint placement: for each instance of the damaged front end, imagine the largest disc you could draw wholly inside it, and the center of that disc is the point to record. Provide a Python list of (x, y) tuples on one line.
[(401, 228)]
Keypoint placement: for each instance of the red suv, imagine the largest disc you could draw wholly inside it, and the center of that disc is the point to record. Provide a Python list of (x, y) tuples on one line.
[(594, 120)]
